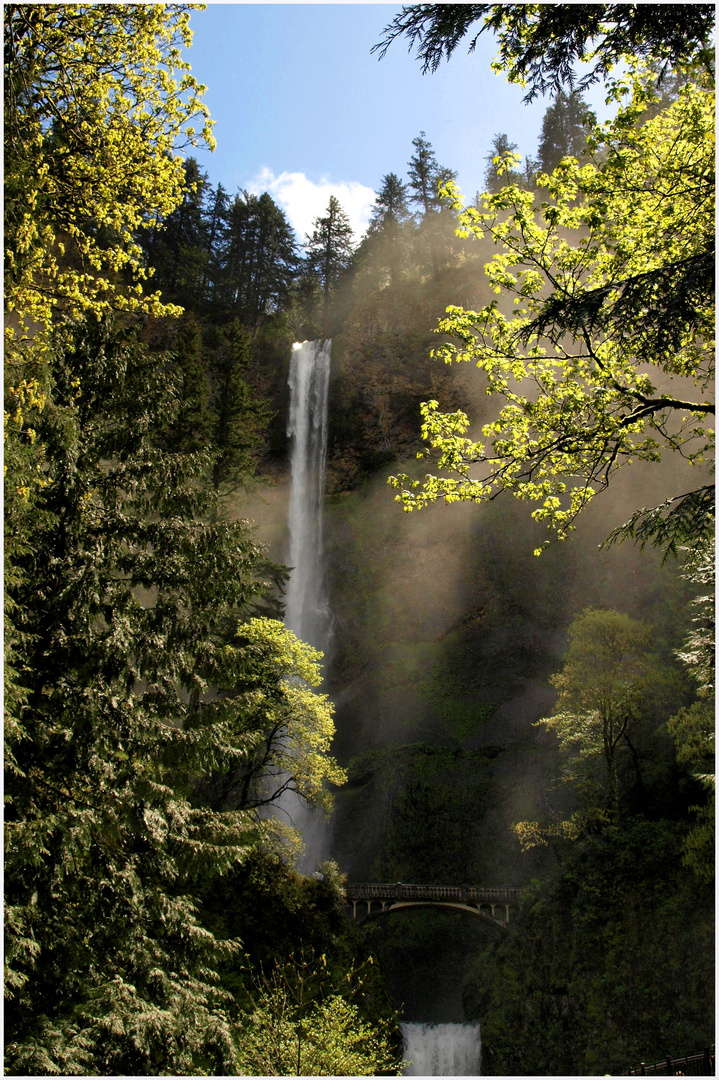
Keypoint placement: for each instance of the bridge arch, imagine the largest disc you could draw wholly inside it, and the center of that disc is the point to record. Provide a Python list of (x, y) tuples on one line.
[(369, 901)]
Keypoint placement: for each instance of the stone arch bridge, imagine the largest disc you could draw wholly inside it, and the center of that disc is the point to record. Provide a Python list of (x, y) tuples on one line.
[(372, 900)]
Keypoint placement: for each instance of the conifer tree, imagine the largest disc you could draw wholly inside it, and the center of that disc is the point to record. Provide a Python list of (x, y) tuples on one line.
[(425, 177), (177, 249), (329, 250), (424, 173), (564, 130), (130, 687), (387, 231), (191, 429), (390, 208), (239, 418), (494, 180), (258, 260), (540, 45), (215, 218)]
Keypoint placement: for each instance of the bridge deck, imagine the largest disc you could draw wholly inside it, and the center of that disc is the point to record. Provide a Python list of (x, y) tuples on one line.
[(401, 891)]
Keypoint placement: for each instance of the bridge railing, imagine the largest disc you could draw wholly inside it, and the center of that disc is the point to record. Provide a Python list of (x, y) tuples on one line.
[(701, 1064), (401, 891)]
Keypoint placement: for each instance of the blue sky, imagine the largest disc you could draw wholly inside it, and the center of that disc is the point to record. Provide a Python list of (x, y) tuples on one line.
[(304, 110)]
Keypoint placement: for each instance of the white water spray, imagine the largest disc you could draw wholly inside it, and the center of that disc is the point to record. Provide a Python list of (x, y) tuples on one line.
[(306, 607), (442, 1049)]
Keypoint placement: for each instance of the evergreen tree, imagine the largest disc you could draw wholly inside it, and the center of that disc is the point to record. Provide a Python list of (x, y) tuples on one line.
[(306, 301), (258, 260), (693, 728), (390, 208), (329, 250), (564, 130), (131, 689), (215, 218), (387, 234), (539, 46), (425, 176), (177, 249), (239, 418), (191, 429), (493, 180)]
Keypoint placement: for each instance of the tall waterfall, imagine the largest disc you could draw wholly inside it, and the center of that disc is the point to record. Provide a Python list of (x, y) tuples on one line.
[(306, 608), (306, 611), (442, 1049)]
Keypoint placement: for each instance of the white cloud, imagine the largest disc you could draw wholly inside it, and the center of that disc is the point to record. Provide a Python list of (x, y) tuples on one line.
[(303, 200)]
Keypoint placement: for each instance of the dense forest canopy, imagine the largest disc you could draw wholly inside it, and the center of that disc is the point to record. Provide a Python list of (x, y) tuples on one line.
[(156, 708)]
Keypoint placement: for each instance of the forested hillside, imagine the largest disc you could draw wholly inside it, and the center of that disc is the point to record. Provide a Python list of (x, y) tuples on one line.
[(518, 687)]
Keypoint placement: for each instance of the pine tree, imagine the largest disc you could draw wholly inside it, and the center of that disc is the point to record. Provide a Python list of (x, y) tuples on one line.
[(387, 232), (329, 250), (493, 180), (239, 418), (564, 130), (178, 248), (258, 260), (131, 690)]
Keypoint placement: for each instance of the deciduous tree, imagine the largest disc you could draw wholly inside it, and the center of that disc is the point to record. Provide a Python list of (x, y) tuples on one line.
[(296, 1029), (608, 686), (607, 355), (98, 104)]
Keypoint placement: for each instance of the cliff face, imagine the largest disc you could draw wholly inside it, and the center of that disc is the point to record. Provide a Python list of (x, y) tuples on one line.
[(382, 371)]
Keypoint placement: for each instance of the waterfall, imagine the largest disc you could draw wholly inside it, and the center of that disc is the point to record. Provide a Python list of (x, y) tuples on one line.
[(442, 1049), (306, 611), (306, 607)]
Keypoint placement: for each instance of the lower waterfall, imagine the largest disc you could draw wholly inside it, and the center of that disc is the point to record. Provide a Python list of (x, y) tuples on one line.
[(442, 1049)]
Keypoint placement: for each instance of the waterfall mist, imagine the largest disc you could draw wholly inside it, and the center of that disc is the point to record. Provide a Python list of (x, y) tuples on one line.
[(307, 612), (442, 1049)]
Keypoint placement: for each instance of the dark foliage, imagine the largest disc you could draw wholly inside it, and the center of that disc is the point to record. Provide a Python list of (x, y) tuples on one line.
[(124, 602), (608, 964), (542, 43), (684, 520)]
